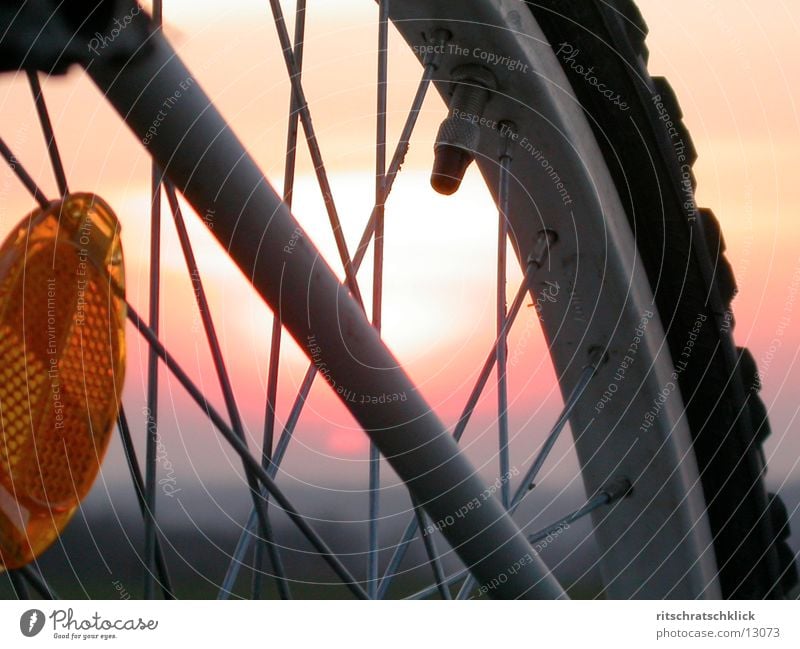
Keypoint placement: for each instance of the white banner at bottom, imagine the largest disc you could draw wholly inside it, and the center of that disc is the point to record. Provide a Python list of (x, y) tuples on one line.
[(397, 624)]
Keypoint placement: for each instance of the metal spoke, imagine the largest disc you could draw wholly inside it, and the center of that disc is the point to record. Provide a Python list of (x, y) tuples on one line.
[(277, 327), (246, 535), (138, 483), (377, 282), (433, 589), (431, 64), (232, 573), (488, 364), (305, 116), (433, 554), (374, 513), (150, 467), (266, 461), (24, 176), (397, 556), (502, 345), (580, 387), (291, 422), (313, 147), (611, 492), (241, 449), (528, 482), (380, 163), (305, 387), (224, 380), (411, 529), (47, 131)]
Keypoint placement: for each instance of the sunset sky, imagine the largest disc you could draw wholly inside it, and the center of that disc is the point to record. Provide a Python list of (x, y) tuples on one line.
[(735, 72)]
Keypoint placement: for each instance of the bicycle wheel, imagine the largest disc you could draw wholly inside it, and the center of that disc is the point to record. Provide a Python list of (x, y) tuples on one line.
[(682, 250), (667, 512)]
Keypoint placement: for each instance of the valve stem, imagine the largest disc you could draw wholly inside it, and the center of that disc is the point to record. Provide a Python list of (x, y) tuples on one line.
[(459, 134)]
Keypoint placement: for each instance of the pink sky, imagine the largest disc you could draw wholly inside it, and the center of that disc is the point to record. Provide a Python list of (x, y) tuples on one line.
[(734, 69)]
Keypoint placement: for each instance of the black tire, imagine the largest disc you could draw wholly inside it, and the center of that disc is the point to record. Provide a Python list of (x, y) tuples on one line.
[(650, 155)]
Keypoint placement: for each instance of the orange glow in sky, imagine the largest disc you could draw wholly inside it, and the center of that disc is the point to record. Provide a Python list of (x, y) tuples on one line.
[(734, 69)]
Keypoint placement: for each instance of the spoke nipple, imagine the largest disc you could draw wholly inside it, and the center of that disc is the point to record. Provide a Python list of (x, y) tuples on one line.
[(508, 135), (545, 239), (440, 35), (437, 38), (597, 357), (617, 489), (460, 134)]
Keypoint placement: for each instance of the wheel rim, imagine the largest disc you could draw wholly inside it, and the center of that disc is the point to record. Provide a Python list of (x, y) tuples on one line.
[(595, 236)]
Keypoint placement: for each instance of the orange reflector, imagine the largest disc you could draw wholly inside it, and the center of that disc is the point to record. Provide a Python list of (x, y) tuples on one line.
[(62, 360)]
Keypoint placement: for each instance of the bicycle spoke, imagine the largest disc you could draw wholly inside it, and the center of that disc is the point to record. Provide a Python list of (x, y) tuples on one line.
[(614, 491), (313, 147), (290, 164), (266, 462), (351, 268), (528, 482), (24, 176), (433, 554), (433, 589), (380, 163), (47, 131), (502, 338), (246, 535), (232, 572), (291, 422), (377, 282), (488, 364), (224, 381), (305, 387), (241, 449), (398, 555), (399, 154), (374, 513), (138, 483), (277, 327), (150, 467), (411, 529)]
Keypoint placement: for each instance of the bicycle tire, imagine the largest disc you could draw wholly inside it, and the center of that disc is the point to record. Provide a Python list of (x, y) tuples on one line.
[(749, 526)]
